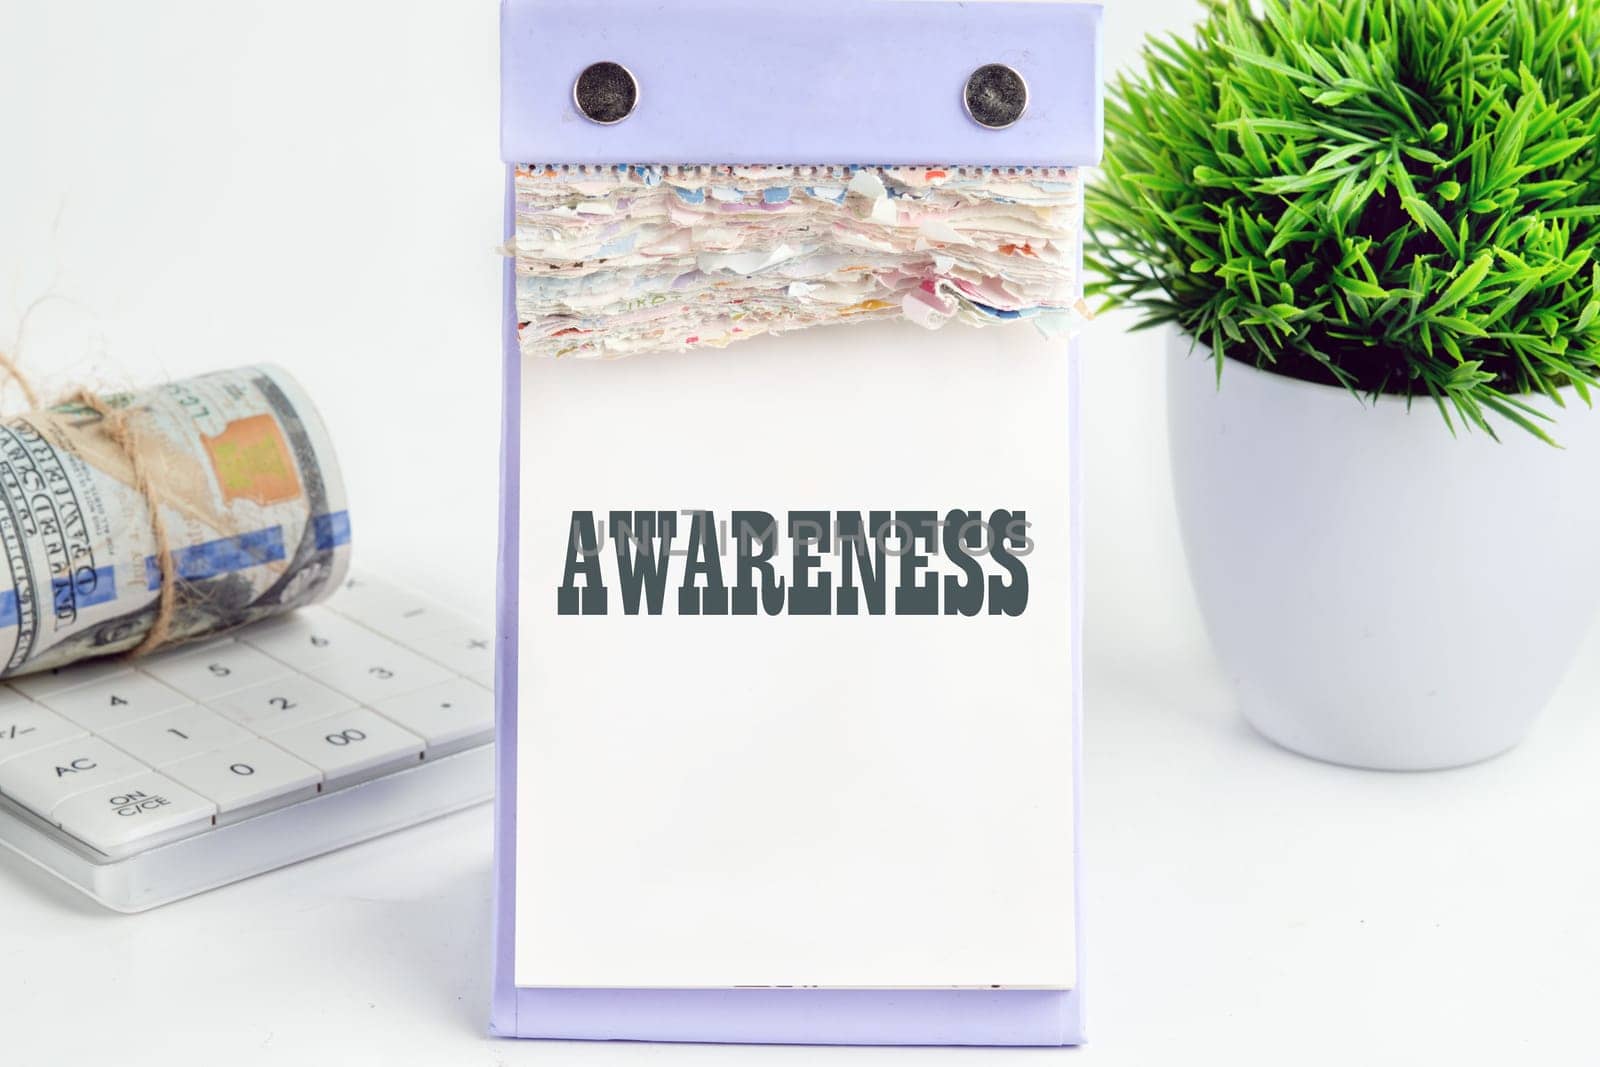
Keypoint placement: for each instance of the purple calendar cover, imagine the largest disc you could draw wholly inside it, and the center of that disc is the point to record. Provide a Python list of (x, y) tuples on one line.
[(797, 68)]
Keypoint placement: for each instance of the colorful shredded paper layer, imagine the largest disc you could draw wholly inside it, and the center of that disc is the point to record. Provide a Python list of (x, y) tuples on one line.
[(614, 261)]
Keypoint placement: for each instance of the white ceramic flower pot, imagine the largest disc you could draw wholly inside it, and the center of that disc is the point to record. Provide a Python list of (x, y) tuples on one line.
[(1381, 593)]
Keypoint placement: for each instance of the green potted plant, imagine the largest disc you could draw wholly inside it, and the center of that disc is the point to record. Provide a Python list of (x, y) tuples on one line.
[(1377, 221)]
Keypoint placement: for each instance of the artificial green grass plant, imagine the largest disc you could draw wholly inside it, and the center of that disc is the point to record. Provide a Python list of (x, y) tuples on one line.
[(1400, 196)]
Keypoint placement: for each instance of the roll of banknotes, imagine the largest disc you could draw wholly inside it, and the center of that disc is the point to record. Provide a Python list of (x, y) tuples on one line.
[(252, 506)]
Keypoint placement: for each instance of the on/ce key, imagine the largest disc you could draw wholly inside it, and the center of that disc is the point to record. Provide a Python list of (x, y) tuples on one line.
[(135, 813)]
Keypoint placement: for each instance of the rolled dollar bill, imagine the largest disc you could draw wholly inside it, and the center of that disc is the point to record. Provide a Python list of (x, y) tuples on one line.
[(252, 513)]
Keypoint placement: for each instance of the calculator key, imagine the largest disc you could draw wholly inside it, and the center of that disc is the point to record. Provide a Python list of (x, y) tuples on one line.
[(399, 613), (467, 650), (422, 620), (49, 683), (362, 595), (246, 776), (44, 778), (135, 813), (176, 735), (352, 746), (362, 586), (28, 727), (454, 715), (382, 673), (185, 648), (310, 638), (281, 703), (114, 702), (215, 670), (413, 620)]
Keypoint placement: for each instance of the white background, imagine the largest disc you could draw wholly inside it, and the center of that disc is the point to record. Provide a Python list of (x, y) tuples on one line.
[(187, 185)]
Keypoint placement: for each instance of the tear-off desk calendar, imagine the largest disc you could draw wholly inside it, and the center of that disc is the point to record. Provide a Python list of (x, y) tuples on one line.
[(804, 811)]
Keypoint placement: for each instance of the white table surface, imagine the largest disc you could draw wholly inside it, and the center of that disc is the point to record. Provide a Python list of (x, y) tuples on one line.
[(171, 167), (1244, 906)]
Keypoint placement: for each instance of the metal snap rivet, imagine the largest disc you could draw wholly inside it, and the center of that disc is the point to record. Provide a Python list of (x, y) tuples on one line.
[(996, 96), (606, 93)]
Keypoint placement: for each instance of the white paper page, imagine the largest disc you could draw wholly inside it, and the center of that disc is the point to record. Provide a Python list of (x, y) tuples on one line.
[(837, 800)]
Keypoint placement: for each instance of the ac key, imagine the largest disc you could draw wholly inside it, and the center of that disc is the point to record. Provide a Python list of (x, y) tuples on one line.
[(43, 779)]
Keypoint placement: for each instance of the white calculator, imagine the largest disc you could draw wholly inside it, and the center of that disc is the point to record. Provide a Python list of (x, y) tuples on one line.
[(143, 782)]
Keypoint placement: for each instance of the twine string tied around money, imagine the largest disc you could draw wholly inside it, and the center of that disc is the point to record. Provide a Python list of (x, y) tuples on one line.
[(118, 426)]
